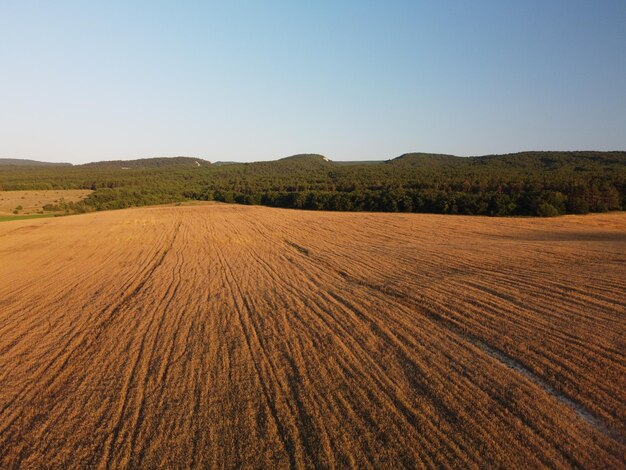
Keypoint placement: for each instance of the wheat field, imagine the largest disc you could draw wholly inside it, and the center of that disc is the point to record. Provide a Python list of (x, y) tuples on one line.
[(231, 336), (32, 202)]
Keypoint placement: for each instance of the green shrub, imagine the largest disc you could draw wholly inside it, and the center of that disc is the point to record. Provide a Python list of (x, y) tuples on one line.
[(546, 209)]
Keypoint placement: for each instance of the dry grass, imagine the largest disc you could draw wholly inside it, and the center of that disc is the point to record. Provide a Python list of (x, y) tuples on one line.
[(246, 336), (32, 202)]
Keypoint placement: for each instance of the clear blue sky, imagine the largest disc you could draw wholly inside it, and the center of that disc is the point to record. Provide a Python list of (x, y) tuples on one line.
[(234, 80)]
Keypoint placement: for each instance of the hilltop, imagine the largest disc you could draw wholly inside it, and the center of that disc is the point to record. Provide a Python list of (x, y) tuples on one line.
[(26, 162), (311, 157), (521, 160), (154, 162), (425, 159)]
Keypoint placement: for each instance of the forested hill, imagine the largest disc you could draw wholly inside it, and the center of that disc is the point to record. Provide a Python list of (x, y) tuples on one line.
[(303, 157), (527, 183), (522, 160), (25, 162), (156, 162), (427, 159)]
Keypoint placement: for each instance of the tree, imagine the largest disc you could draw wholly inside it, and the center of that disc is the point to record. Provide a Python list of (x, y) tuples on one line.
[(546, 209)]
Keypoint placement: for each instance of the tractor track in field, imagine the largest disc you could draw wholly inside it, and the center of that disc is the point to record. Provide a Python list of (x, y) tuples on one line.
[(232, 336)]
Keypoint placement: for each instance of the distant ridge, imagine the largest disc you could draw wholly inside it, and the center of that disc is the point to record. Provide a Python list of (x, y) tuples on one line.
[(415, 159), (529, 160), (305, 156), (155, 162), (26, 162), (425, 159)]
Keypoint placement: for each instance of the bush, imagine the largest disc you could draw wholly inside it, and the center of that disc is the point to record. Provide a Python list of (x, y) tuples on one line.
[(546, 209)]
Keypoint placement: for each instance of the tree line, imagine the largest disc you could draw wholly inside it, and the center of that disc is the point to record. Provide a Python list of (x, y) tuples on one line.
[(531, 183)]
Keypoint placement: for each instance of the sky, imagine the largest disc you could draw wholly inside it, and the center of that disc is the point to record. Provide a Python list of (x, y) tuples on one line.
[(237, 80)]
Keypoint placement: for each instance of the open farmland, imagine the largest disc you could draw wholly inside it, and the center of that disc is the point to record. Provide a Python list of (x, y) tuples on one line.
[(33, 202), (230, 336)]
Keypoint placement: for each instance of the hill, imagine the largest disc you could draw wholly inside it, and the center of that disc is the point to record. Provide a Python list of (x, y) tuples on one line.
[(520, 160), (579, 161), (303, 161), (311, 157), (425, 159), (25, 162), (156, 162)]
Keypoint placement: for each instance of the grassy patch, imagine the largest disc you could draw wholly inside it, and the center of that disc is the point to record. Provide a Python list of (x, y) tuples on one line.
[(6, 218)]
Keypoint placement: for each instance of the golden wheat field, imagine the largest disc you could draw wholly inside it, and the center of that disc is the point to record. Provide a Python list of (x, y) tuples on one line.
[(234, 336), (32, 202)]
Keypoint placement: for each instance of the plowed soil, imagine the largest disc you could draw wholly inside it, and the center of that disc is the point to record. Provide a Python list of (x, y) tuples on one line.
[(233, 336)]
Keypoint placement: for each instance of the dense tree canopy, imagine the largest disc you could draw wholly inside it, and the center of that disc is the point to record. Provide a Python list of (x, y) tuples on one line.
[(529, 183)]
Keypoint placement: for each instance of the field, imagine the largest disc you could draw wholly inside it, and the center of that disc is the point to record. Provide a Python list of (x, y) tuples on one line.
[(32, 202), (236, 336)]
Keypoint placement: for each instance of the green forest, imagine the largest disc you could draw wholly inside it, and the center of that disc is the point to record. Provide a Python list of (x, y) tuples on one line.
[(521, 184)]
